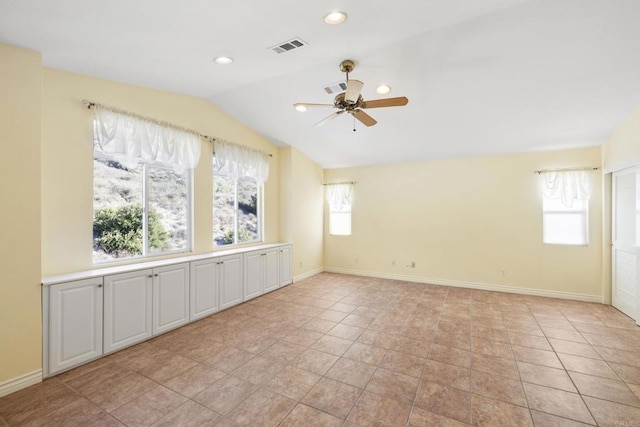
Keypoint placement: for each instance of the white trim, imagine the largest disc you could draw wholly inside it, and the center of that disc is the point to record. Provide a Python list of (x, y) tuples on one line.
[(634, 161), (472, 285), (308, 274), (18, 383)]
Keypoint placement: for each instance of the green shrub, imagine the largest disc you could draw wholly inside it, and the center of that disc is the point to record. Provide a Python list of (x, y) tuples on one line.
[(118, 231), (243, 236)]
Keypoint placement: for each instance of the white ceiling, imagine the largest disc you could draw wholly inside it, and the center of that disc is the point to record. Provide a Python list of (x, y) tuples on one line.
[(483, 77)]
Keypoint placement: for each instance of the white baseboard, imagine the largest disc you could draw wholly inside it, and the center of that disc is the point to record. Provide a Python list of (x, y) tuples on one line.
[(20, 382), (471, 285), (307, 274)]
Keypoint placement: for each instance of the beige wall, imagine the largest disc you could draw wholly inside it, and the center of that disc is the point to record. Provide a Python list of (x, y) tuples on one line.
[(67, 169), (301, 196), (464, 221), (622, 149), (20, 324)]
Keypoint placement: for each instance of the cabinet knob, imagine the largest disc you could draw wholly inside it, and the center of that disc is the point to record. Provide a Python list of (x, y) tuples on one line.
[(155, 275), (151, 275), (99, 286)]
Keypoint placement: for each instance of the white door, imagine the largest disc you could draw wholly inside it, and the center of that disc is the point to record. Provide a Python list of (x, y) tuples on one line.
[(127, 309), (203, 289), (253, 274), (170, 297), (230, 280), (285, 265), (75, 328), (272, 270), (624, 255)]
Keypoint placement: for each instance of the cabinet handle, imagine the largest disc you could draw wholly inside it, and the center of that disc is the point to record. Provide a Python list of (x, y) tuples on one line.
[(99, 286), (151, 275), (155, 275), (221, 262)]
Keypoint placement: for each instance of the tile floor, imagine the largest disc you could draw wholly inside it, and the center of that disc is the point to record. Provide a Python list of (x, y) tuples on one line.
[(337, 350)]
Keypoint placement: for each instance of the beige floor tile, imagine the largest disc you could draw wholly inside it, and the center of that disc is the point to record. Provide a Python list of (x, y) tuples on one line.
[(228, 359), (263, 408), (574, 348), (495, 365), (332, 345), (606, 389), (557, 402), (343, 307), (358, 320), (394, 385), (343, 330), (259, 370), (537, 357), (332, 315), (587, 366), (305, 416), (319, 325), (303, 337), (351, 372), (283, 351), (418, 348), (403, 363), (189, 414), (138, 356), (79, 413), (315, 361), (543, 375), (619, 356), (498, 388), (489, 334), (377, 338), (612, 414), (332, 397), (490, 412), (443, 400), (149, 407), (541, 419), (369, 354), (373, 409), (225, 394), (194, 380), (166, 367), (449, 375), (532, 341), (453, 356), (292, 382), (421, 418), (628, 374)]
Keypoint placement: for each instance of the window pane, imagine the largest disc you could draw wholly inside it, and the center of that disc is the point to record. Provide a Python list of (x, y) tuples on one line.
[(223, 210), (565, 228), (340, 223), (168, 215), (117, 210), (247, 211)]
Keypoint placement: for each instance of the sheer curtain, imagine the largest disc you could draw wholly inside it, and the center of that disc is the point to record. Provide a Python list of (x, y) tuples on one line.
[(131, 140), (236, 161), (566, 186)]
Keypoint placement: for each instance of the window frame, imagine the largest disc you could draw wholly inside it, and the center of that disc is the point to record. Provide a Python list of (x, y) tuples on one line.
[(259, 212), (146, 252), (583, 211)]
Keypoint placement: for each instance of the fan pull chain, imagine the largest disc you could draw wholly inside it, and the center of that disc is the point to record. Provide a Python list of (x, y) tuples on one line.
[(354, 123)]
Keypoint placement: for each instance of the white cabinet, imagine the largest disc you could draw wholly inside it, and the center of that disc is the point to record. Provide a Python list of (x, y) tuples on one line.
[(230, 280), (261, 272), (75, 323), (127, 309), (204, 288), (170, 297), (285, 265)]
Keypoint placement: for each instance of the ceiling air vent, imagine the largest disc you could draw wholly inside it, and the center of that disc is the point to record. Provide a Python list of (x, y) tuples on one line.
[(288, 45), (335, 87)]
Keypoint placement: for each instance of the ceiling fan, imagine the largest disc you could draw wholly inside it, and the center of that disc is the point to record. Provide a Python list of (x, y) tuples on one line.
[(351, 101)]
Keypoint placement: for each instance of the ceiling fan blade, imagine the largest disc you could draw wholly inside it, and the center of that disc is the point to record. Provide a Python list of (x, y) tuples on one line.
[(387, 102), (354, 87), (364, 118), (307, 104), (329, 118)]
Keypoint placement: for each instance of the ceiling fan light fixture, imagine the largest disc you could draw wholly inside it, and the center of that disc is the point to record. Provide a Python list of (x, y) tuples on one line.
[(335, 17), (300, 107), (383, 89), (223, 60)]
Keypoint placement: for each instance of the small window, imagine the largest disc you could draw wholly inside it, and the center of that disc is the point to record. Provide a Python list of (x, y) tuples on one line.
[(563, 225), (139, 210), (339, 199)]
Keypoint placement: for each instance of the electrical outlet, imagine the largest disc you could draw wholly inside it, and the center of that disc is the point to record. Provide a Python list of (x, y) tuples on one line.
[(504, 273), (393, 263), (413, 264), (300, 264)]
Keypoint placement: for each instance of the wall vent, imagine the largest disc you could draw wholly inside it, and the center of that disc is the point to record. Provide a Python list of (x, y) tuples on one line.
[(336, 87), (287, 46)]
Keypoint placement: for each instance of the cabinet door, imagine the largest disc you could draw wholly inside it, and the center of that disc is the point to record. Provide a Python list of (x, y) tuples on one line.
[(75, 328), (272, 270), (253, 274), (230, 280), (170, 297), (285, 265), (203, 289), (127, 309)]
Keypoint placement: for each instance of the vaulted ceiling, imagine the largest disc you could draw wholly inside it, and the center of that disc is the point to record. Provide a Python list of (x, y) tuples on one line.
[(483, 77)]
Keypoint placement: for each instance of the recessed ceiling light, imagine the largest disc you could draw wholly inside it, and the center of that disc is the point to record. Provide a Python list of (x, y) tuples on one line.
[(300, 107), (223, 60), (383, 89), (333, 18)]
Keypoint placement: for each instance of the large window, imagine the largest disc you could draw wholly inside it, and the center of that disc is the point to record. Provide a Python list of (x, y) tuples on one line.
[(139, 210), (141, 186), (239, 174), (565, 207)]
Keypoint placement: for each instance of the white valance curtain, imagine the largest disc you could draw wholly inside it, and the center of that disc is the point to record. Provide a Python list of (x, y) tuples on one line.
[(236, 161), (339, 196), (130, 140), (566, 186)]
